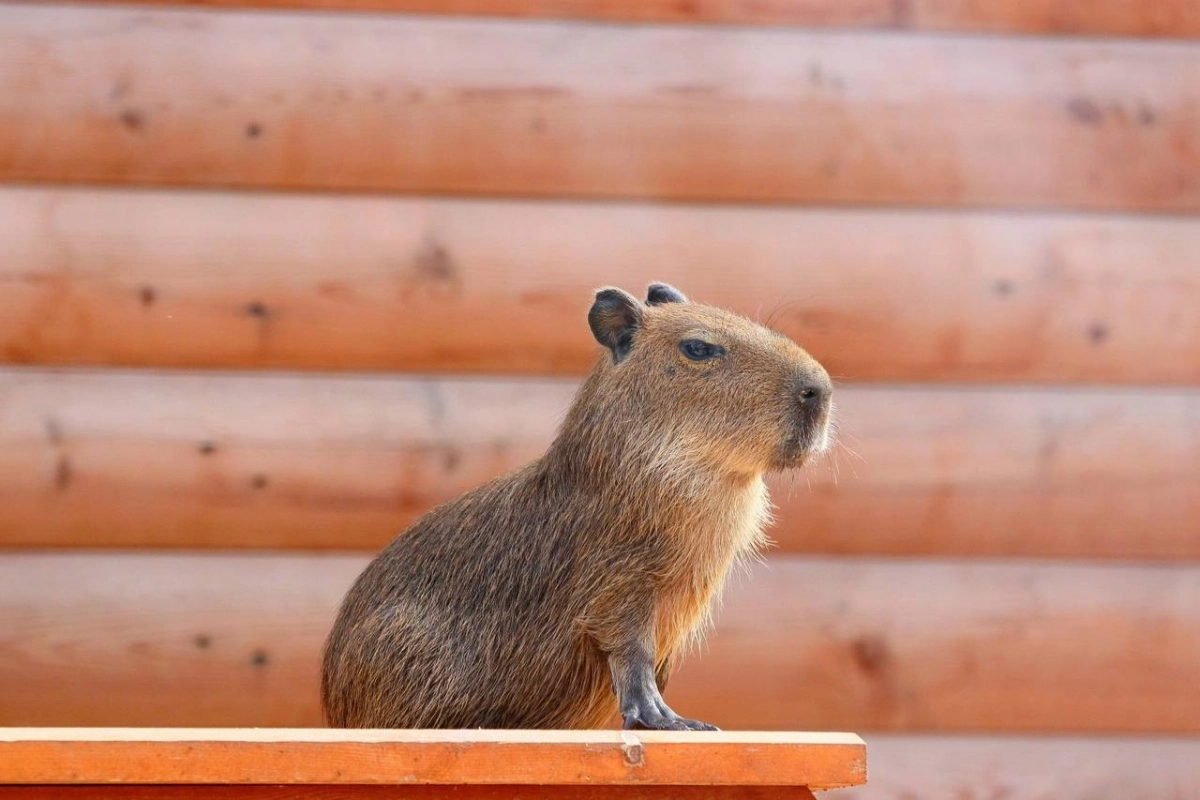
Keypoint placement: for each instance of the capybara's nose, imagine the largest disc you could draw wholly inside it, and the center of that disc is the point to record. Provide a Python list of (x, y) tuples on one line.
[(814, 395), (814, 389)]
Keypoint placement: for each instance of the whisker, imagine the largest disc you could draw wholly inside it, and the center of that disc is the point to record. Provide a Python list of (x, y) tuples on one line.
[(779, 308), (843, 447)]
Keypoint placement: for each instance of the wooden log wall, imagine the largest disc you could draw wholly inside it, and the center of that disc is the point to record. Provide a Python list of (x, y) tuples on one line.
[(389, 103), (337, 282), (277, 276), (1156, 18)]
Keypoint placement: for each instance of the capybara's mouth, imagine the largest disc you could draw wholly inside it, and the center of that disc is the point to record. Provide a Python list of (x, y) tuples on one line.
[(823, 439), (793, 454), (798, 449)]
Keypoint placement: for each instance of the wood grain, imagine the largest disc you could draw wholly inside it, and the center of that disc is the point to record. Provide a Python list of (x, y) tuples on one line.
[(106, 459), (376, 792), (968, 646), (168, 460), (901, 767), (1171, 18), (445, 758), (161, 278), (114, 95), (803, 644)]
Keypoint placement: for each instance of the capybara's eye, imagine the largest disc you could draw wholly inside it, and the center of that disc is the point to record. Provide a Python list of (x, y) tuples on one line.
[(700, 350)]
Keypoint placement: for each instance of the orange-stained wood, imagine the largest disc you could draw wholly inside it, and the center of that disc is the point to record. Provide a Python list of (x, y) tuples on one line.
[(941, 645), (447, 758), (253, 280), (115, 95), (901, 768), (401, 792), (167, 460), (802, 644), (1172, 18)]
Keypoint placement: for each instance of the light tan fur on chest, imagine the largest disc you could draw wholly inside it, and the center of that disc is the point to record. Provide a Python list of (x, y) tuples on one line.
[(708, 547)]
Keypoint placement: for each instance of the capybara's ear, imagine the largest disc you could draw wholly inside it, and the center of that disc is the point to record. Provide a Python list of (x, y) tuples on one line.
[(660, 293), (615, 317)]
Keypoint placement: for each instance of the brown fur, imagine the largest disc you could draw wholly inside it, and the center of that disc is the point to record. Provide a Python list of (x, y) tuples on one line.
[(526, 602)]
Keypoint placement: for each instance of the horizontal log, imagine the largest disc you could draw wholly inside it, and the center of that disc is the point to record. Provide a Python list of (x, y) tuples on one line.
[(966, 646), (945, 768), (112, 459), (159, 278), (272, 461), (445, 758), (115, 95), (821, 644), (1173, 18)]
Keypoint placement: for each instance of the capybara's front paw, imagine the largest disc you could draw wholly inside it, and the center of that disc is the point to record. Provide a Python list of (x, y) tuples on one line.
[(652, 718)]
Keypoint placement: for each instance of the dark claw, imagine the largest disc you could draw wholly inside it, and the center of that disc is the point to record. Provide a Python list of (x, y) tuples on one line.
[(653, 719), (697, 725), (659, 724)]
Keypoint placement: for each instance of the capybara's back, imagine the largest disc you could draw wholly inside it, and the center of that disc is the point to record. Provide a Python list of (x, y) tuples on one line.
[(469, 620), (562, 593)]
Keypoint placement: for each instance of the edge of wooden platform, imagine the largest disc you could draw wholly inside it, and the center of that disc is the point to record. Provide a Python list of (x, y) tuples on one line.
[(406, 757)]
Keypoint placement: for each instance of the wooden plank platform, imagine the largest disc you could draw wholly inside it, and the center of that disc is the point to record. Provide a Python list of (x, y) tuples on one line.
[(400, 792), (781, 761)]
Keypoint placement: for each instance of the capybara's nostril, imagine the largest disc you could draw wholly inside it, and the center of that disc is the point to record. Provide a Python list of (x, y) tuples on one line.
[(813, 395)]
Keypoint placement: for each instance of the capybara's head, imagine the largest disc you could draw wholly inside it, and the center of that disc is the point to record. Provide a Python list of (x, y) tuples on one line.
[(707, 384)]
